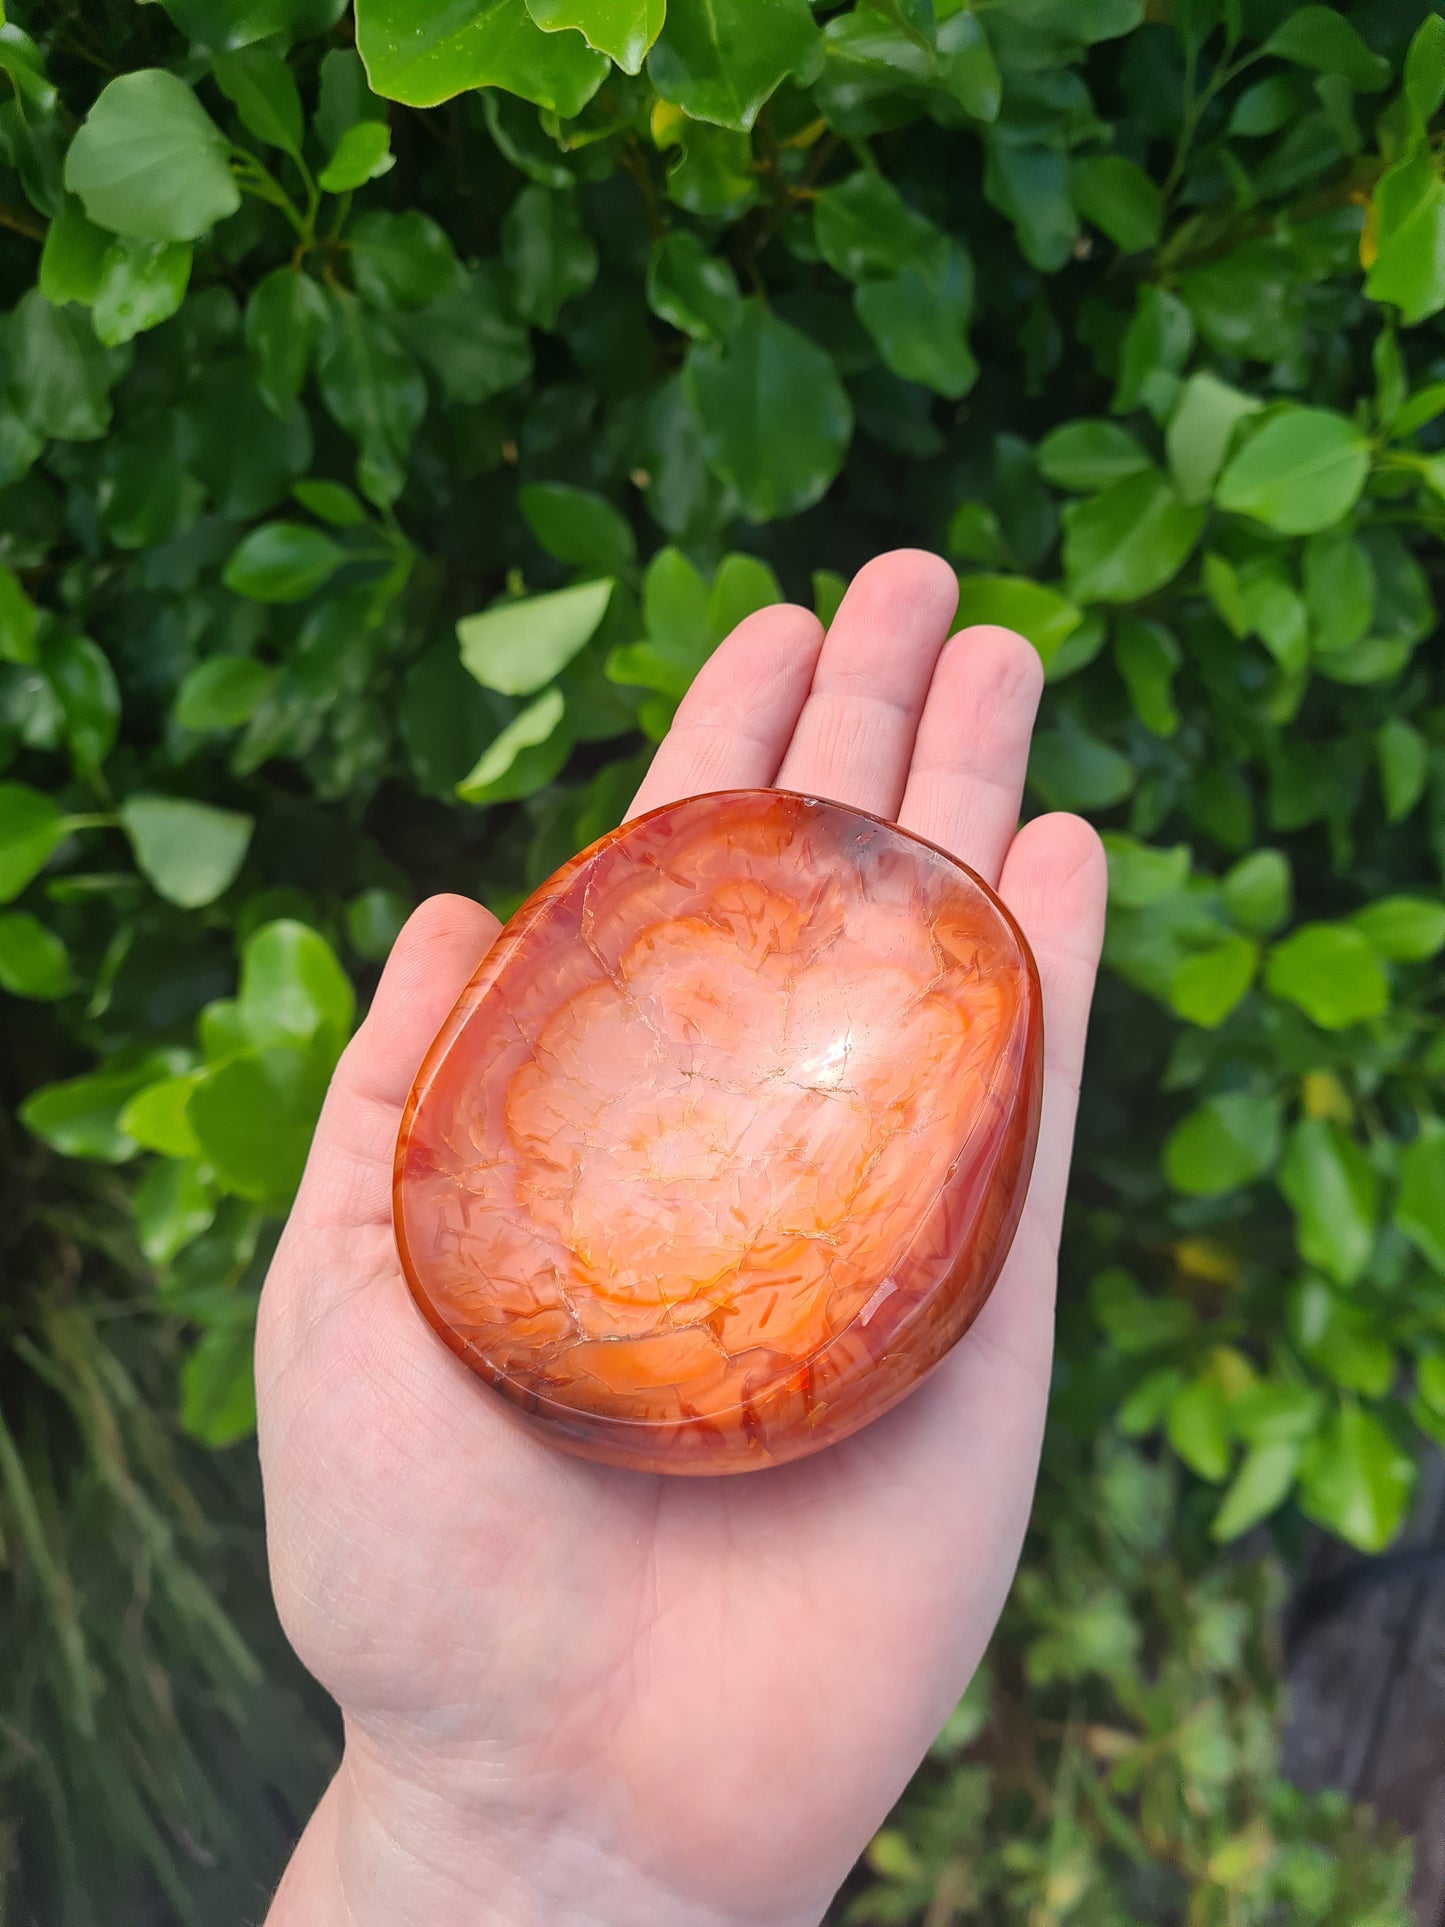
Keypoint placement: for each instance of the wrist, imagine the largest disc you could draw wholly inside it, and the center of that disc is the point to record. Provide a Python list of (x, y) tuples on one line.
[(382, 1850)]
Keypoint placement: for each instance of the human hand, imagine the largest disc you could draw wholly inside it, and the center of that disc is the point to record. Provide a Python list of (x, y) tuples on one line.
[(574, 1694)]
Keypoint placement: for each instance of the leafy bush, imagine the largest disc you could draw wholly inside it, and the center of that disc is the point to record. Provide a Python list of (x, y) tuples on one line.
[(398, 410)]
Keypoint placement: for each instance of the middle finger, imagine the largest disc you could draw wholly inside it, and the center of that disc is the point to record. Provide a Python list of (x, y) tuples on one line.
[(854, 739)]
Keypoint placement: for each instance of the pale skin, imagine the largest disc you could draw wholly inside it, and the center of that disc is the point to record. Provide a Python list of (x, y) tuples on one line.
[(579, 1695)]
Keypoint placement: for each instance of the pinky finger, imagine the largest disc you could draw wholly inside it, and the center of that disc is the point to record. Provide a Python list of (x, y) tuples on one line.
[(1055, 882)]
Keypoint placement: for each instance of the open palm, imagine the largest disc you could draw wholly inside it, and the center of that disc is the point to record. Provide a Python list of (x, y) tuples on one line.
[(579, 1694)]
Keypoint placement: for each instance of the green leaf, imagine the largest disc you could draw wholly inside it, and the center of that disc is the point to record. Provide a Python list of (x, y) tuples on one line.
[(1148, 657), (1041, 616), (1087, 456), (1197, 1427), (218, 1391), (1028, 184), (1339, 581), (975, 534), (284, 321), (1224, 1143), (719, 60), (282, 562), (258, 84), (1420, 1206), (692, 288), (254, 1115), (713, 175), (1135, 1321), (579, 527), (173, 1205), (190, 853), (142, 284), (1257, 892), (1155, 347), (1118, 197), (866, 231), (471, 340), (85, 687), (150, 163), (1073, 770), (1334, 1194), (1302, 471), (1409, 209), (24, 62), (79, 1117), (525, 757), (1322, 38), (374, 921), (1129, 541), (65, 396), (71, 260), (1270, 1410), (362, 154), (1265, 1478), (1143, 1410), (1331, 972), (1404, 763), (373, 389), (344, 100), (519, 647), (1208, 985), (18, 620), (32, 828), (1403, 929), (1422, 408), (624, 30), (965, 67), (224, 24), (1201, 430), (403, 260), (155, 1118), (293, 990), (741, 587), (1425, 68), (1356, 1481), (423, 59), (680, 633), (1430, 1379), (1248, 302), (1140, 874), (223, 692), (330, 502), (549, 252), (516, 130), (775, 419), (33, 960), (829, 589), (1267, 106), (919, 320)]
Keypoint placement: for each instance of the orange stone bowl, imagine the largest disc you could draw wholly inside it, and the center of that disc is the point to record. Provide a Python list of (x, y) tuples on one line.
[(725, 1143)]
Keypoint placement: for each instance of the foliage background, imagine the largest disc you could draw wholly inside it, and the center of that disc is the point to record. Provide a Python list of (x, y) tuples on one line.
[(379, 461)]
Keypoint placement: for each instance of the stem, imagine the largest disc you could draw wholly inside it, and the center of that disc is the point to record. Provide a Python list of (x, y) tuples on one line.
[(343, 208), (1194, 108), (634, 163), (19, 223), (313, 196), (254, 178)]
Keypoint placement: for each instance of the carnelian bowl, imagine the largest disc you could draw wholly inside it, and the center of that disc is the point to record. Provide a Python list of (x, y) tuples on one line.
[(726, 1141)]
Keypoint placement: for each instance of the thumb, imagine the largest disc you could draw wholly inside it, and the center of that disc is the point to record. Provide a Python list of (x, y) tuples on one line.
[(348, 1174)]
